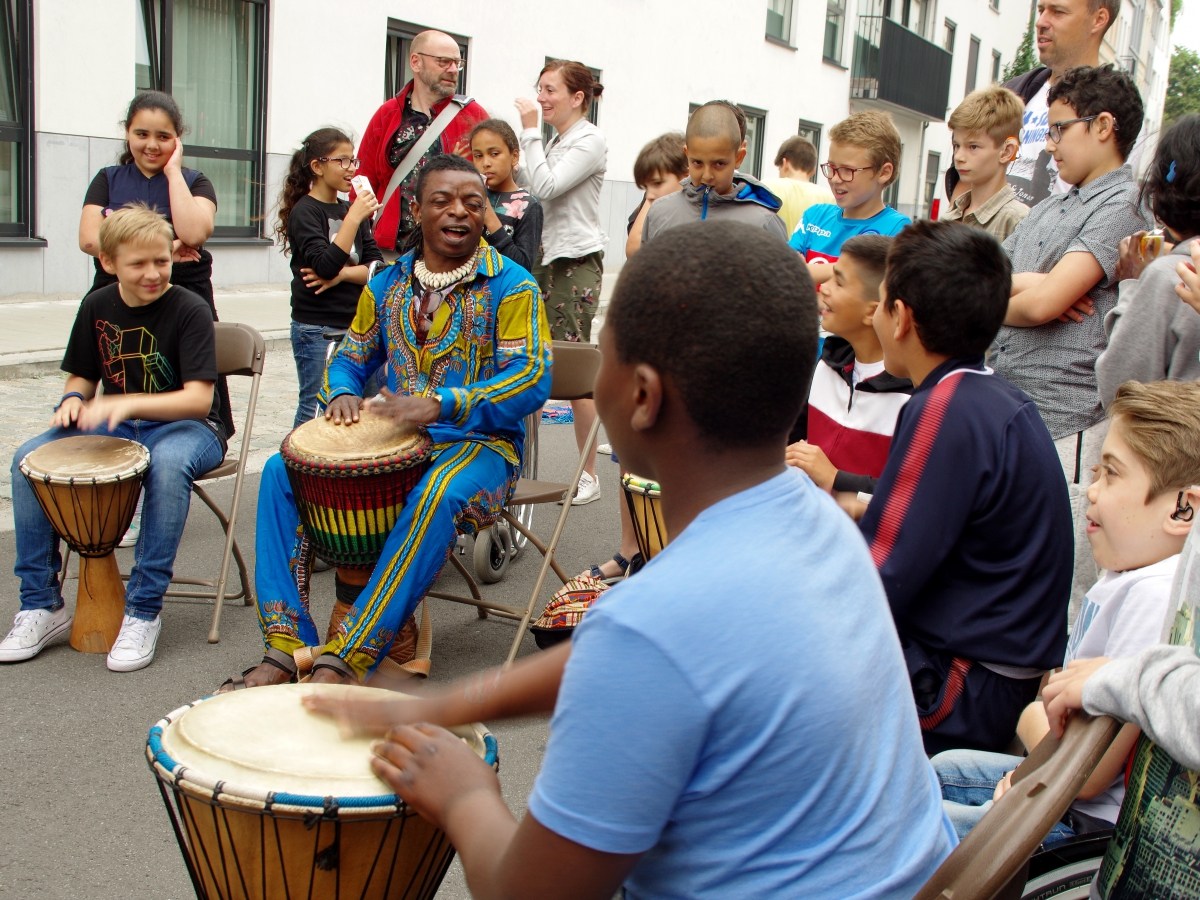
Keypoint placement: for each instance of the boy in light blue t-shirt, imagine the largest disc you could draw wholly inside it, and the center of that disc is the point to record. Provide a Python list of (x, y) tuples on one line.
[(864, 158), (712, 736)]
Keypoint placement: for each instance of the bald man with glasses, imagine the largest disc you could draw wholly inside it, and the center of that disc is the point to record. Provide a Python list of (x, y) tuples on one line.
[(399, 125)]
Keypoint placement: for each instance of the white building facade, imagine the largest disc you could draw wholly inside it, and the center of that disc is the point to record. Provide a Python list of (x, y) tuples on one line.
[(253, 77)]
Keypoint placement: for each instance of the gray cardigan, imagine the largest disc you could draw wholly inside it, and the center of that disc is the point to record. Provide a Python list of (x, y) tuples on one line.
[(1152, 334), (1158, 690)]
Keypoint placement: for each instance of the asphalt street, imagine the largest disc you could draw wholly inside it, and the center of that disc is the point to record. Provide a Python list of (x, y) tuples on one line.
[(80, 814)]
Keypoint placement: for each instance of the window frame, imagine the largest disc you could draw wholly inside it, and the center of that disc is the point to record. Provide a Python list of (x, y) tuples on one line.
[(996, 68), (398, 29), (929, 185), (162, 73), (949, 35), (832, 7), (788, 19), (22, 131), (803, 128), (972, 64)]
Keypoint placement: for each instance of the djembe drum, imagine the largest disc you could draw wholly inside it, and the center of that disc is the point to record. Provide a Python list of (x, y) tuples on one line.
[(645, 509), (269, 802), (88, 488), (350, 483)]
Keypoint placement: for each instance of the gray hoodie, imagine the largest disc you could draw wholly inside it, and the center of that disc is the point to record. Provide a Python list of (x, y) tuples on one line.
[(749, 202), (1152, 334)]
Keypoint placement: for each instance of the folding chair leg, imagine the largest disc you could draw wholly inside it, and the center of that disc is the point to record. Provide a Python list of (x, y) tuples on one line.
[(214, 632), (552, 545)]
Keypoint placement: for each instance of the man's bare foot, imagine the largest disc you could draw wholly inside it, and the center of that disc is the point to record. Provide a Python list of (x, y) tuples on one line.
[(325, 675), (261, 675)]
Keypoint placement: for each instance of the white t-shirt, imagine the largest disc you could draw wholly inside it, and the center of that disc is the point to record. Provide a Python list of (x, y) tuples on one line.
[(1034, 173), (1122, 615), (863, 371)]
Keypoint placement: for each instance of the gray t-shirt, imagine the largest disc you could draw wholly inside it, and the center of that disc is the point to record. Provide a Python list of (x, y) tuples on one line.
[(1055, 363)]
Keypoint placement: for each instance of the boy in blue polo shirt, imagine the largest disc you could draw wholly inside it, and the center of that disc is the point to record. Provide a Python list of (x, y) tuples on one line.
[(864, 158), (782, 772), (970, 526)]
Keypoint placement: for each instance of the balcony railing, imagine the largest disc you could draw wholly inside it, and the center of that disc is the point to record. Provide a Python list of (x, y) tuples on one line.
[(894, 65)]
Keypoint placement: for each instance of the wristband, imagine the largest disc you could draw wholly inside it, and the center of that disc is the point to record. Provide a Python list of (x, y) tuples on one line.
[(67, 396)]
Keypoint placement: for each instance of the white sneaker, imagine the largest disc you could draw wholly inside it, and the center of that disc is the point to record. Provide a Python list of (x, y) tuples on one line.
[(605, 449), (134, 647), (587, 491), (135, 527), (32, 630)]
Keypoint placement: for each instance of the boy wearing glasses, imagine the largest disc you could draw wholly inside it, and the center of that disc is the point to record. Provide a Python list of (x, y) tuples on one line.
[(864, 158), (1064, 257)]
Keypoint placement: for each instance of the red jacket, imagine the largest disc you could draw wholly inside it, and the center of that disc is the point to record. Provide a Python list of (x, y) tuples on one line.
[(373, 151)]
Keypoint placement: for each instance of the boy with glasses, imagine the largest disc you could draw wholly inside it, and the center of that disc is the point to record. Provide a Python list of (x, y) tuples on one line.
[(1064, 257), (864, 159)]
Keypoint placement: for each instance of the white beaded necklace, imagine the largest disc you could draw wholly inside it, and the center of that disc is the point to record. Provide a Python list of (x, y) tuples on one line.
[(435, 281)]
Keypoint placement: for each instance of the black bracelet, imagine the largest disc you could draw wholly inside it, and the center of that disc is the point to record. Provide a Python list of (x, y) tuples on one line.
[(67, 396)]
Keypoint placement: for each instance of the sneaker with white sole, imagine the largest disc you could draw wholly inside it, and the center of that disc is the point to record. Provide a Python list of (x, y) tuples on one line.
[(130, 537), (587, 490), (605, 449), (32, 630), (134, 646)]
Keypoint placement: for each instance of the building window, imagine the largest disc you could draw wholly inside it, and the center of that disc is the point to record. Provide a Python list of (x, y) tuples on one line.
[(994, 5), (593, 114), (397, 65), (811, 132), (949, 29), (995, 66), (756, 130), (835, 23), (933, 162), (16, 129), (779, 20), (210, 55), (972, 64)]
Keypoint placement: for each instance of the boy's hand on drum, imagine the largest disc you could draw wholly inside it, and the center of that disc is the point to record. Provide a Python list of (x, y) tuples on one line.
[(343, 409), (432, 770), (67, 413), (406, 408), (108, 410), (374, 718)]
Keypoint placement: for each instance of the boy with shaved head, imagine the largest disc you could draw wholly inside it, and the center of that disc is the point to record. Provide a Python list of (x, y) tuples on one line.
[(714, 188)]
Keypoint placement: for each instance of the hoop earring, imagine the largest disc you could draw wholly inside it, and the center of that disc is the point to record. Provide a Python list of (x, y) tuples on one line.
[(1183, 511)]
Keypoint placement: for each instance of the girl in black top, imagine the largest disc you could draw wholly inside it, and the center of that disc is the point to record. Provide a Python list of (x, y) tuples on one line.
[(151, 172), (333, 251), (513, 222)]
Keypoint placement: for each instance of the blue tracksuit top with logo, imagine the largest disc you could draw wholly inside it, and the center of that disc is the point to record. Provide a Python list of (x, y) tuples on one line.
[(823, 230), (970, 524)]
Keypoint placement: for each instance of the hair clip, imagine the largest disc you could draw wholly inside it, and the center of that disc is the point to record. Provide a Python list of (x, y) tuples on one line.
[(1171, 173), (1183, 510)]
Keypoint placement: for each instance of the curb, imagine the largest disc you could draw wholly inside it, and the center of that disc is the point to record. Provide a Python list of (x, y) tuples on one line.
[(46, 362)]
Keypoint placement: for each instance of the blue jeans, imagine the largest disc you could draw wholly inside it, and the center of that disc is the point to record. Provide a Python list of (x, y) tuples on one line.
[(968, 779), (310, 344), (179, 452)]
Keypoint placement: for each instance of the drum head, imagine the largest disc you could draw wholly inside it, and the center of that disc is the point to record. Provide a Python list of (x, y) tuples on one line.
[(372, 437), (263, 739), (89, 458)]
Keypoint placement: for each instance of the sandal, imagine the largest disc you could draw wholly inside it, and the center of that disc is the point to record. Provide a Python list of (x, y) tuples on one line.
[(599, 575), (272, 657), (335, 664)]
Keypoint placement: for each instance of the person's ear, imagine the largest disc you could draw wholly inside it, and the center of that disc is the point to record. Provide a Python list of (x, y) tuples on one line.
[(416, 213), (1100, 19), (647, 397), (108, 264), (885, 173), (1104, 126), (869, 315), (577, 100), (516, 158), (1009, 151), (902, 319), (740, 156), (316, 167), (1179, 521)]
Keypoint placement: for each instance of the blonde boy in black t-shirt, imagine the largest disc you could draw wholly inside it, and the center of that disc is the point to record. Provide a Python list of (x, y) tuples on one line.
[(153, 347)]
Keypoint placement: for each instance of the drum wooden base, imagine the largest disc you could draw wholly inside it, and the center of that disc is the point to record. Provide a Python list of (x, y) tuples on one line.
[(100, 606)]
